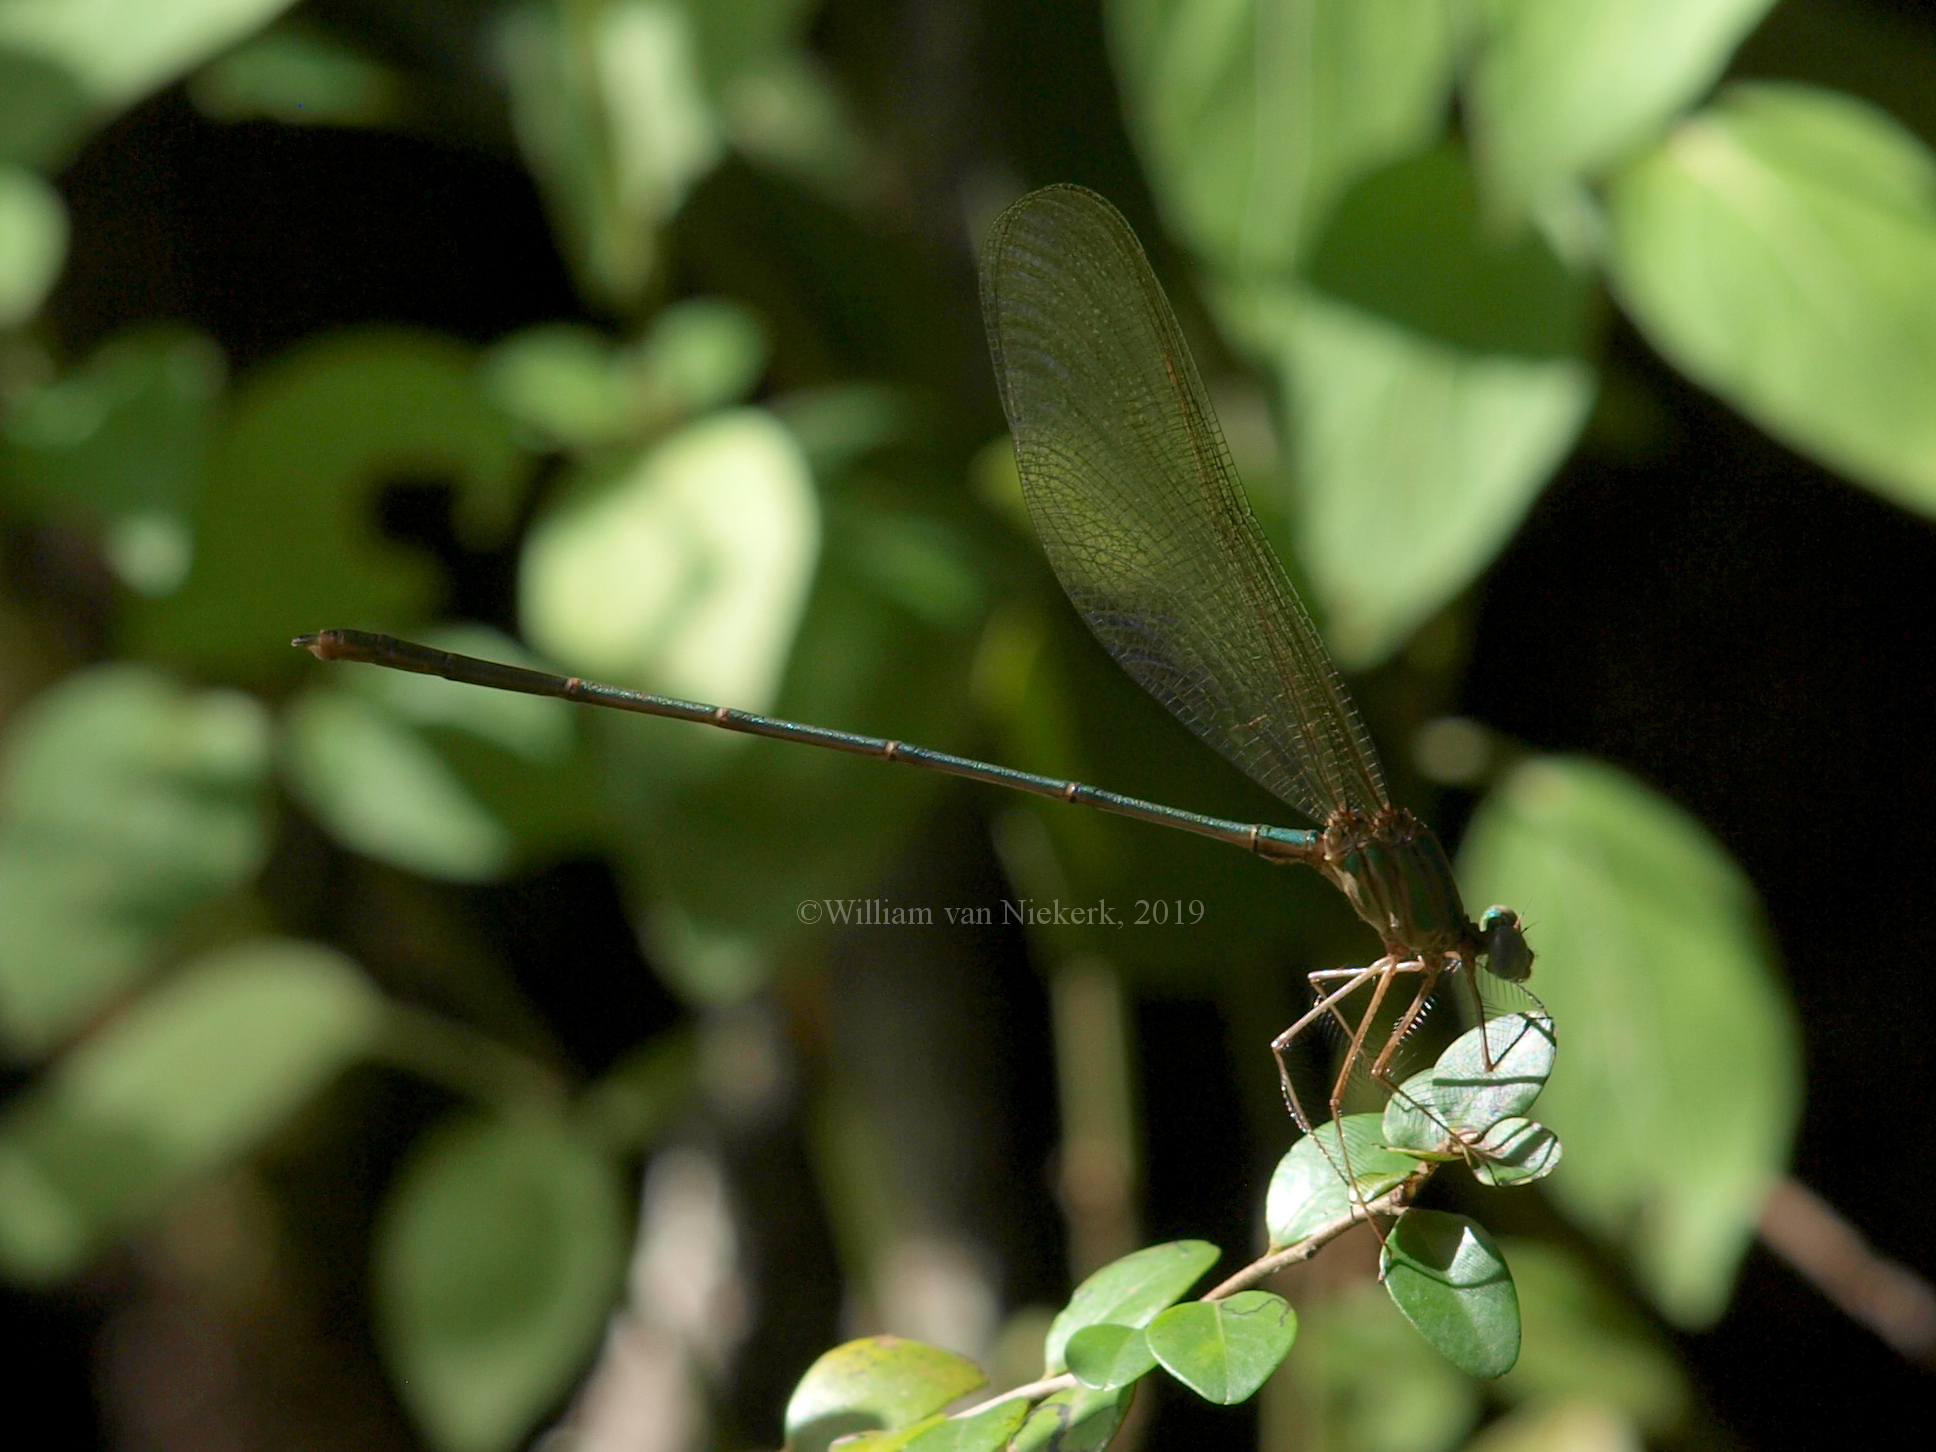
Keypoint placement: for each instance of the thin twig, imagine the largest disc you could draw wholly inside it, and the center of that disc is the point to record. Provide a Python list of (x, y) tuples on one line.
[(1385, 1205), (1882, 1294), (1390, 1203)]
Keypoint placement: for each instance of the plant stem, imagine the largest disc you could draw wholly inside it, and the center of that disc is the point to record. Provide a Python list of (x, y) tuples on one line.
[(468, 1063)]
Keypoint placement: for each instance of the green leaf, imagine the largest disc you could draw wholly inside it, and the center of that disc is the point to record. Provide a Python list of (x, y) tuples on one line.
[(612, 116), (184, 1081), (497, 1261), (1365, 1381), (285, 533), (121, 51), (1560, 90), (43, 110), (381, 789), (697, 355), (33, 242), (1583, 1339), (1515, 1152), (574, 389), (1106, 1356), (876, 1383), (1448, 1277), (1584, 1424), (1128, 1292), (686, 572), (299, 77), (1082, 1420), (1679, 1087), (1224, 1350), (1308, 1189), (1252, 116), (449, 780), (984, 1432), (121, 442), (1409, 244), (126, 803), (1460, 1095), (1414, 459), (1780, 248), (892, 1441)]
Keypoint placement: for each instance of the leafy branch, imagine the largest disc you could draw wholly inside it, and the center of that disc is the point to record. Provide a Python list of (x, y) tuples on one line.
[(885, 1394)]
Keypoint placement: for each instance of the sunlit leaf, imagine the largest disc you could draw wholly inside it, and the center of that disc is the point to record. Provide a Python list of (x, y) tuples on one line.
[(299, 77), (33, 242), (1108, 1356), (1224, 1350), (1583, 1339), (612, 115), (1447, 1276), (1487, 1075), (1308, 1189), (877, 1382), (451, 780), (121, 51), (1129, 1292), (1781, 249), (286, 532), (1082, 1420), (983, 1432), (1678, 1089), (574, 388), (381, 789), (697, 355), (1252, 115), (892, 1441), (560, 380), (197, 1073), (1414, 457), (686, 572), (127, 802), (788, 114), (1564, 87), (1365, 1381), (497, 1261)]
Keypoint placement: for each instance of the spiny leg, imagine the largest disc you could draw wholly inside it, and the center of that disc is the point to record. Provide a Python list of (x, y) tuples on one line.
[(1353, 1053), (1380, 1071), (1326, 1004)]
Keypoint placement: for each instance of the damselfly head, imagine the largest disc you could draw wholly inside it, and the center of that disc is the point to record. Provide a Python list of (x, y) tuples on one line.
[(1507, 954)]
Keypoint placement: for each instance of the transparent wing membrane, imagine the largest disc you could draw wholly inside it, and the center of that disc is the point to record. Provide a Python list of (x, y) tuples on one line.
[(1132, 492)]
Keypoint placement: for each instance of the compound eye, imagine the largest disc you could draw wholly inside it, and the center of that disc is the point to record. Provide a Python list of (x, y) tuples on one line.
[(1507, 955)]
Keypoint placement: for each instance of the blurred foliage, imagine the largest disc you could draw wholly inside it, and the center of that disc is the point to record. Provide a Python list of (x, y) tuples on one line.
[(750, 472)]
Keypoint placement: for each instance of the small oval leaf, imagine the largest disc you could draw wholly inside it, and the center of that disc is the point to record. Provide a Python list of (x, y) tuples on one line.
[(1224, 1350), (1463, 1095), (1447, 1276), (1308, 1190), (1129, 1292), (1082, 1420), (1107, 1355), (878, 1383), (1516, 1152), (983, 1432)]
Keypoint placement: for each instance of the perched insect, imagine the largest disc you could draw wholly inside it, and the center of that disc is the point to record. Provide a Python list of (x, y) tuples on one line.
[(1131, 489)]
